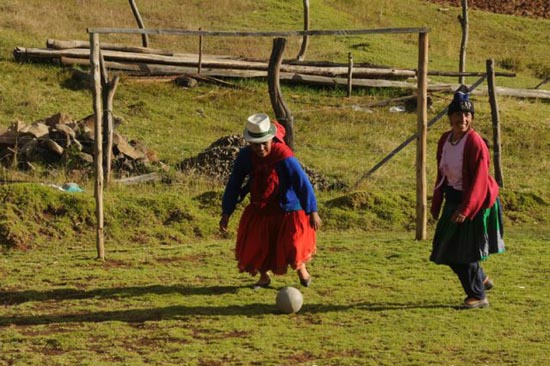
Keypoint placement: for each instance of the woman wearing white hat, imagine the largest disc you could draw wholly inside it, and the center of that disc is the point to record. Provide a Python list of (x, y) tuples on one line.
[(278, 228)]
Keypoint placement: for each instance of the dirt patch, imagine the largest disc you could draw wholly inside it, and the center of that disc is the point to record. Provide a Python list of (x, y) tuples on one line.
[(525, 8)]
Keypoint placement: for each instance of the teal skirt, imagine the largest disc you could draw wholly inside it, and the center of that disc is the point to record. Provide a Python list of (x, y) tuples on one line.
[(470, 241)]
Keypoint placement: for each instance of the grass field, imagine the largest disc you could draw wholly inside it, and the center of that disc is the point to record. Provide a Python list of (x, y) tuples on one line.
[(375, 300), (169, 292)]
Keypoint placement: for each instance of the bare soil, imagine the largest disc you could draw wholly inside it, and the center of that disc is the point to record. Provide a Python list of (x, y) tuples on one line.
[(526, 8)]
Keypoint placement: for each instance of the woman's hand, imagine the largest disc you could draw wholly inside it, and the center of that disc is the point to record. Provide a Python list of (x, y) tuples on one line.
[(224, 221), (315, 220), (458, 218)]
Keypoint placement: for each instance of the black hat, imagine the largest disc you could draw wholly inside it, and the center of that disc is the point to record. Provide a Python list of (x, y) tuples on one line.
[(461, 101)]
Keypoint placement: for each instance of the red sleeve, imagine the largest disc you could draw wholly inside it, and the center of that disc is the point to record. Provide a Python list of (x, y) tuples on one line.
[(479, 188)]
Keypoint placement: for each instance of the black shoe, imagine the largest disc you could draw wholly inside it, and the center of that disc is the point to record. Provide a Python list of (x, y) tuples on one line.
[(487, 284), (305, 281)]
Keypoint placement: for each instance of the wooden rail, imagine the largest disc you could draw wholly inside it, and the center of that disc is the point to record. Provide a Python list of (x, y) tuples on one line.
[(183, 32)]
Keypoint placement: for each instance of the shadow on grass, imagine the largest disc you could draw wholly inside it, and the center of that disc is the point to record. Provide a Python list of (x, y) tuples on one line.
[(19, 297), (183, 312)]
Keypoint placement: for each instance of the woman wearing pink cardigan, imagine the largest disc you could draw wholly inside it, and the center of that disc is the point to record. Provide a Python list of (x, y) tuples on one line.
[(470, 226)]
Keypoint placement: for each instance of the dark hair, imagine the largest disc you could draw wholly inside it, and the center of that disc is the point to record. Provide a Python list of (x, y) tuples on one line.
[(461, 101)]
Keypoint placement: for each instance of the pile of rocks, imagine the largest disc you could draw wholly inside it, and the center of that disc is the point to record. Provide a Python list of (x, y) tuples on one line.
[(216, 161), (59, 140)]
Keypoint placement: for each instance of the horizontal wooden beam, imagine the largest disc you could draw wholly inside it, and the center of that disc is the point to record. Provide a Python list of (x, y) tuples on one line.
[(183, 32), (470, 73)]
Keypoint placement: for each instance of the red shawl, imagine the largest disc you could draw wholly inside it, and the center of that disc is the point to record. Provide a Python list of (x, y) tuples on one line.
[(264, 190)]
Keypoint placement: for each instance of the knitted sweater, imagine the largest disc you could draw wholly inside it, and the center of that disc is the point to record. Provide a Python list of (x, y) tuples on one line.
[(480, 190), (295, 191)]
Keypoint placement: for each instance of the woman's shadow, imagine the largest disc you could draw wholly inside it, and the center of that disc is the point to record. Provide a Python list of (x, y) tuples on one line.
[(169, 312)]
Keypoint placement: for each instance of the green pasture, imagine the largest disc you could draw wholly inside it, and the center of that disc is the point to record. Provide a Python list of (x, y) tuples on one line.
[(375, 300)]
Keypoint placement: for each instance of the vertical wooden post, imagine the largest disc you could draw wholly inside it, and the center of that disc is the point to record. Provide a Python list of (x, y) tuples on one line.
[(108, 89), (496, 121), (305, 39), (350, 73), (422, 130), (464, 25), (98, 143), (199, 64), (109, 127), (135, 11), (282, 112)]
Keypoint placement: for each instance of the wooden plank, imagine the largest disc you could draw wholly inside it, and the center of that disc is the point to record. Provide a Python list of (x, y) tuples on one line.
[(158, 70), (331, 32), (209, 61), (57, 44), (150, 177), (136, 55)]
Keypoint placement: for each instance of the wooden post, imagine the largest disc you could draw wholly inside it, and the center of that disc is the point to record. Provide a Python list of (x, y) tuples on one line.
[(496, 121), (422, 130), (282, 113), (305, 39), (350, 73), (98, 145), (199, 64), (135, 11), (109, 127), (464, 25), (108, 89)]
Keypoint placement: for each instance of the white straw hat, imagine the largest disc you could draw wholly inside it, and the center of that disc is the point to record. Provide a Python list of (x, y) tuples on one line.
[(259, 128)]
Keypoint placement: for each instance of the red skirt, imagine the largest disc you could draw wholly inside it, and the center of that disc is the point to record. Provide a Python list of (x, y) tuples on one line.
[(269, 240)]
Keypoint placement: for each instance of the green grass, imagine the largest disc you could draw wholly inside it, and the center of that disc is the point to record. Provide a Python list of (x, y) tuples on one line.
[(169, 291), (375, 300)]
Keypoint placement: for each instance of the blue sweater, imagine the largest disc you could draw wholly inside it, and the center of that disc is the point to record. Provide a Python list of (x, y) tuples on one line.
[(295, 190)]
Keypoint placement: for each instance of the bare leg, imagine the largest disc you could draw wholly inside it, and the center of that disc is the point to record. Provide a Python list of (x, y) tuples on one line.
[(303, 274), (264, 277), (264, 280)]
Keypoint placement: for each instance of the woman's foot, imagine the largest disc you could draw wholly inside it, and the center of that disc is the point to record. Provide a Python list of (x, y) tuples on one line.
[(474, 303), (487, 283), (263, 282), (304, 276)]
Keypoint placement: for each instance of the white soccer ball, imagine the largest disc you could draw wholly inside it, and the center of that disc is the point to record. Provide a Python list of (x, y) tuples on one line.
[(289, 300)]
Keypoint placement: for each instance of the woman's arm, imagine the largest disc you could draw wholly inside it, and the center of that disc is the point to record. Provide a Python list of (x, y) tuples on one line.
[(475, 176), (241, 168), (301, 185)]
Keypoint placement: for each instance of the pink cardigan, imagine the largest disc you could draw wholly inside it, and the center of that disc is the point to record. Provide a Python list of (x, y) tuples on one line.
[(480, 190)]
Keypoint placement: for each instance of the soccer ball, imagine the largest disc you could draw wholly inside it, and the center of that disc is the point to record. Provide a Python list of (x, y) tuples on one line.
[(289, 300)]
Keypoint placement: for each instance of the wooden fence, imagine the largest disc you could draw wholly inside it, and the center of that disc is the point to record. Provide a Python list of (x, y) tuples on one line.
[(103, 88)]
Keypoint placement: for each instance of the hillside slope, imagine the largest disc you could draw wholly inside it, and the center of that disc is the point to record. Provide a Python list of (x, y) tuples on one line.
[(339, 137)]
